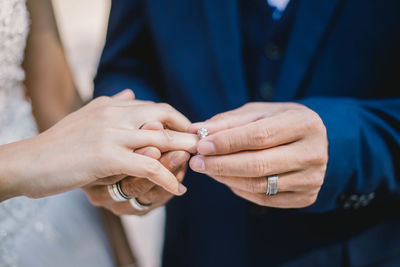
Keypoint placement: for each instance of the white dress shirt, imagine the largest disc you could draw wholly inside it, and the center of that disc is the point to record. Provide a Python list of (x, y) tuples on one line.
[(279, 5)]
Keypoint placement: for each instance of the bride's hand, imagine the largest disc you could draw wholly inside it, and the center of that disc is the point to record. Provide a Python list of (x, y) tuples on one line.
[(95, 142), (143, 190)]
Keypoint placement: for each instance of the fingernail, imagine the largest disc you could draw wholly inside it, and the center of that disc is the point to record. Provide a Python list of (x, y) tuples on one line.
[(206, 148), (197, 164), (182, 189)]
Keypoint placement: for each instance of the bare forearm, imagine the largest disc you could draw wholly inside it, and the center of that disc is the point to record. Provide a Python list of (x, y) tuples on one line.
[(9, 176), (49, 80)]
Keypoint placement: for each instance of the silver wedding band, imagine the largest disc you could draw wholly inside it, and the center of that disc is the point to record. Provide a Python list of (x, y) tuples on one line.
[(139, 206), (116, 193), (272, 185)]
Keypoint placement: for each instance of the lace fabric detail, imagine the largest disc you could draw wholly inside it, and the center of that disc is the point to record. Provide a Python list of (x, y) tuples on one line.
[(20, 215)]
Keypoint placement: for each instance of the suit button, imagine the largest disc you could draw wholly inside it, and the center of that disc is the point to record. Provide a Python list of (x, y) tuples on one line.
[(351, 202), (363, 200), (267, 90), (273, 52), (353, 198), (347, 205), (371, 196)]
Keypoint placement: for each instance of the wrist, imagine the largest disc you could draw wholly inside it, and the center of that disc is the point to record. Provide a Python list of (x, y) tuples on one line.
[(9, 180)]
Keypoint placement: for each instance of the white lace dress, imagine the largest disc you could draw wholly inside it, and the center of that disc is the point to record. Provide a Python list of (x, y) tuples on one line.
[(64, 230)]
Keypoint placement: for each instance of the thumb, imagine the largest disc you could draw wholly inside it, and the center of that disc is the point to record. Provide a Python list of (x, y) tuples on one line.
[(126, 94)]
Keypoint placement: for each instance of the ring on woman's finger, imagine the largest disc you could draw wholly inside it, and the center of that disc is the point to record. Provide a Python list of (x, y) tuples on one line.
[(116, 193), (272, 185), (202, 133), (139, 206)]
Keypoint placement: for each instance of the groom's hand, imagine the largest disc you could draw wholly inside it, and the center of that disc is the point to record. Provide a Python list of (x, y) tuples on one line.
[(258, 140), (142, 189)]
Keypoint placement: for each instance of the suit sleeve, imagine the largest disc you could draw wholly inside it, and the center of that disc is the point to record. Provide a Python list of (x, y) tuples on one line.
[(128, 59), (364, 149)]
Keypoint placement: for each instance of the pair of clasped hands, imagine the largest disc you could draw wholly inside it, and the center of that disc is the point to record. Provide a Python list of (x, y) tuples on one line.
[(244, 147)]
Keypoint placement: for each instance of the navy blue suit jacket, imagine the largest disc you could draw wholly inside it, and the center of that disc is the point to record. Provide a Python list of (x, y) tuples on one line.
[(341, 61)]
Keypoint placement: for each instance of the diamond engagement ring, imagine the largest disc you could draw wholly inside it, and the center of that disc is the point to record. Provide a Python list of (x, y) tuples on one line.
[(202, 133), (139, 206), (272, 185), (116, 193)]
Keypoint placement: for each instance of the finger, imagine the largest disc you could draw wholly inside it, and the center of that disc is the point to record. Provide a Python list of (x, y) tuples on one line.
[(260, 163), (126, 94), (180, 173), (125, 208), (98, 195), (288, 182), (164, 140), (242, 116), (174, 160), (155, 196), (138, 102), (149, 151), (155, 126), (161, 112), (152, 152), (223, 121), (286, 200), (108, 180), (265, 133), (125, 100), (136, 165), (135, 186)]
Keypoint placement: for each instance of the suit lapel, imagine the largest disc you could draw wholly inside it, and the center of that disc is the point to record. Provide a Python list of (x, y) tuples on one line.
[(310, 25), (222, 19)]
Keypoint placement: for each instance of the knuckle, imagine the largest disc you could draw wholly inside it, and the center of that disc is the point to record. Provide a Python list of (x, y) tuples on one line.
[(306, 200), (167, 108), (228, 142), (153, 168), (317, 157), (311, 200), (259, 166), (313, 122), (220, 116), (218, 167), (316, 181), (168, 137), (248, 104), (101, 100), (261, 136)]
